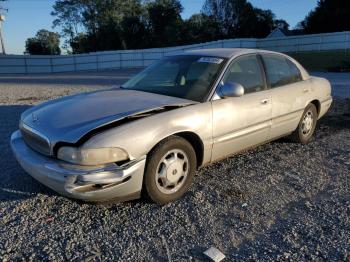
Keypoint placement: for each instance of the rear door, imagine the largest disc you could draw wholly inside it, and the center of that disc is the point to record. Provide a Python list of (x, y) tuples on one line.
[(288, 92), (242, 122)]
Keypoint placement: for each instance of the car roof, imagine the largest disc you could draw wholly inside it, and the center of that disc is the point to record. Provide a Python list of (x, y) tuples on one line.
[(226, 52), (235, 52)]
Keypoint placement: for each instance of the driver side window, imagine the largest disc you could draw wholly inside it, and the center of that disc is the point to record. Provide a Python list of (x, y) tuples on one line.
[(247, 72), (164, 76)]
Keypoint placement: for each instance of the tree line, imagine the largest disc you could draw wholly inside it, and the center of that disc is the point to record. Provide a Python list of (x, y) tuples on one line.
[(101, 25)]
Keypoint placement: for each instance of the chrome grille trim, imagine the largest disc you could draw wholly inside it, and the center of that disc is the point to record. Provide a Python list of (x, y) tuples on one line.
[(35, 140)]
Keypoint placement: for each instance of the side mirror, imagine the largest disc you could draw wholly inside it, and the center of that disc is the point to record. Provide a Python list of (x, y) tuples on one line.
[(231, 89)]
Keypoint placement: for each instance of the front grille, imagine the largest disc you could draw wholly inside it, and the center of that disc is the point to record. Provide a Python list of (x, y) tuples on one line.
[(35, 140)]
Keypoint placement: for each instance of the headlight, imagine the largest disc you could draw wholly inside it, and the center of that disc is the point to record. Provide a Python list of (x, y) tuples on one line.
[(91, 157)]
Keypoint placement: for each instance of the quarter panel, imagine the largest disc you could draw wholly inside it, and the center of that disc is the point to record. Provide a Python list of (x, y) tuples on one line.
[(290, 101), (321, 90)]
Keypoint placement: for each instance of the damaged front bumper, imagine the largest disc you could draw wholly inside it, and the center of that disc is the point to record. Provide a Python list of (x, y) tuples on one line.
[(93, 184)]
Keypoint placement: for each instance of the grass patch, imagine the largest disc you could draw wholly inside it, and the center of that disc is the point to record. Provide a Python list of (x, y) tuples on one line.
[(331, 61)]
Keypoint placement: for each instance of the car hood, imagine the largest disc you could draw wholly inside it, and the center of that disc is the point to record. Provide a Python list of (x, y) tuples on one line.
[(70, 118)]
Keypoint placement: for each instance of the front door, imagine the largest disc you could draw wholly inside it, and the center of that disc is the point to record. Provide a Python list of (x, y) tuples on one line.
[(242, 122)]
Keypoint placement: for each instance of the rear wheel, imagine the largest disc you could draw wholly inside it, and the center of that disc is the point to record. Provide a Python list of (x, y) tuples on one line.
[(307, 125), (170, 169)]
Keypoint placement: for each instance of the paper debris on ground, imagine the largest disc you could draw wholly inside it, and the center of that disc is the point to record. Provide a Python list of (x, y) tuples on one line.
[(214, 254)]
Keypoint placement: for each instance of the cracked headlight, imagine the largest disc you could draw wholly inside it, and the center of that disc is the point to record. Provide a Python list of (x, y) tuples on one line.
[(91, 157)]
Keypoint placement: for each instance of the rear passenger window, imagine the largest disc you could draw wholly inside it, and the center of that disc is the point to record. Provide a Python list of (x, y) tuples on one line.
[(247, 72), (281, 71)]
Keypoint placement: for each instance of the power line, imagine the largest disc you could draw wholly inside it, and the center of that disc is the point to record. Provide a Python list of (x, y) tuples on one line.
[(2, 19)]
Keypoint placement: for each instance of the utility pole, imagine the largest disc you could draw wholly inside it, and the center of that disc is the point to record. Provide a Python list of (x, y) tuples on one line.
[(2, 19)]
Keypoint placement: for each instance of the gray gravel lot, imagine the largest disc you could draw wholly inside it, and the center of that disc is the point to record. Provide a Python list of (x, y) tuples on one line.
[(281, 201)]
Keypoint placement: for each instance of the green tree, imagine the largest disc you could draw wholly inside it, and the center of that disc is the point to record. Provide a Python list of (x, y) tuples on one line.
[(164, 22), (134, 33), (98, 25), (101, 24), (281, 24), (328, 16), (201, 28), (44, 43), (227, 12), (80, 44), (238, 18), (255, 22), (69, 18)]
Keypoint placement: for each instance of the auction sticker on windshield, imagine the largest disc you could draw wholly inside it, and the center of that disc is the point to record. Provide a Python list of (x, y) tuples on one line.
[(212, 60)]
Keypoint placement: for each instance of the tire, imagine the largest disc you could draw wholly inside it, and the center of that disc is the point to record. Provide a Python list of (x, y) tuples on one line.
[(306, 128), (169, 171)]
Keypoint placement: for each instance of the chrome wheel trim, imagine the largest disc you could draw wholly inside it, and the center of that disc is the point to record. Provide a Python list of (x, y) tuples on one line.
[(172, 171), (308, 123)]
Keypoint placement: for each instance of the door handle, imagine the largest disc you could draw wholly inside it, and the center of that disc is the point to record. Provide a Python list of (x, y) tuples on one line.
[(264, 101)]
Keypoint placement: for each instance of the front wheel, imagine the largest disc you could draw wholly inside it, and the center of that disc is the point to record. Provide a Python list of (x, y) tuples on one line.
[(170, 170), (307, 125)]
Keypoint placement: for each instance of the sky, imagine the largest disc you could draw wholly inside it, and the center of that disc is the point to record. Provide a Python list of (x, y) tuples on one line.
[(26, 17)]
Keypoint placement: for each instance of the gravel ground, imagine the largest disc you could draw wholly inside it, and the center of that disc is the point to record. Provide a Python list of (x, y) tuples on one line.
[(281, 201)]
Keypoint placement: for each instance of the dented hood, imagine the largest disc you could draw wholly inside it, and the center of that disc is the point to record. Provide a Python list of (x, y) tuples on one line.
[(70, 118)]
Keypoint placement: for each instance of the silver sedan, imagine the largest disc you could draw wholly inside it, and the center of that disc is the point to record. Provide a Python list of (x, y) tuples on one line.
[(149, 136)]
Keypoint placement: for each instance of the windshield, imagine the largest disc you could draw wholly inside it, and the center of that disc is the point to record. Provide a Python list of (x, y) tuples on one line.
[(189, 77)]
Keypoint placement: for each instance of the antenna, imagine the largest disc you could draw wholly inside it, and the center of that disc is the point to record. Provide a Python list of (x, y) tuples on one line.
[(2, 19)]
